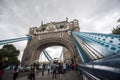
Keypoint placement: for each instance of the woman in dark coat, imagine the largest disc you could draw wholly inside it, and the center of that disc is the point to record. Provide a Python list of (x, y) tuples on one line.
[(16, 72), (60, 70), (32, 73)]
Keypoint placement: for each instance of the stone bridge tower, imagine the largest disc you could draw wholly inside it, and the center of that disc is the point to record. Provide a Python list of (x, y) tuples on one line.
[(51, 34)]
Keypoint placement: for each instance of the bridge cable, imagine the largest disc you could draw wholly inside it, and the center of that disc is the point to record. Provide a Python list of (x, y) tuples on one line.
[(46, 56)]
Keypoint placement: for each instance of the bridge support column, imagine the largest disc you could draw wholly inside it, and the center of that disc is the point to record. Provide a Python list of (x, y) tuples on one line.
[(78, 60)]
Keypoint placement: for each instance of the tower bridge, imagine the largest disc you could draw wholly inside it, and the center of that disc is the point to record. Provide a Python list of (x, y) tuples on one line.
[(51, 34), (98, 55)]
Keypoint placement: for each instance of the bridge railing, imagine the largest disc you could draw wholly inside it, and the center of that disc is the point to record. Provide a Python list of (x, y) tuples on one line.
[(104, 69)]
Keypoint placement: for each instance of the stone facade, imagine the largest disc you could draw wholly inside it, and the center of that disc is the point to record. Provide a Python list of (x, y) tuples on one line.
[(50, 34), (66, 55)]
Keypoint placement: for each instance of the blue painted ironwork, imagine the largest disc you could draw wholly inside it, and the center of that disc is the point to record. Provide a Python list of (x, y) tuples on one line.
[(107, 68), (106, 44), (49, 57), (84, 56), (47, 54), (2, 42), (92, 52)]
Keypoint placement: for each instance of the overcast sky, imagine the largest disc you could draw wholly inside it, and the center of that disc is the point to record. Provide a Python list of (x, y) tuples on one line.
[(17, 16)]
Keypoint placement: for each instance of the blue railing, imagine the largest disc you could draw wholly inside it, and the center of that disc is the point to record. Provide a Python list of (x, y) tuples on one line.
[(104, 69)]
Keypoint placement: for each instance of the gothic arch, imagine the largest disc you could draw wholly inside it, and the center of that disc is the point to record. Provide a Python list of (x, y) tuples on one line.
[(43, 39)]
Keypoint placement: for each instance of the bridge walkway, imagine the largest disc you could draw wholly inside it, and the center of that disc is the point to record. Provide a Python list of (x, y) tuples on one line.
[(71, 75)]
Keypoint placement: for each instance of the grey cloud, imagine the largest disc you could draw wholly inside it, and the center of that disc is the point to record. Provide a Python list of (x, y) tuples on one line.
[(26, 13), (16, 16)]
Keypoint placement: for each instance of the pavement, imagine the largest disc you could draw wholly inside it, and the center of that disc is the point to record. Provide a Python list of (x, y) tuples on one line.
[(71, 75)]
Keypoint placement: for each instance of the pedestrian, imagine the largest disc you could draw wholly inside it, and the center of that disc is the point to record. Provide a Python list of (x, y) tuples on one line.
[(74, 66), (1, 73), (43, 69), (32, 73), (54, 68), (15, 72), (60, 70), (64, 68), (48, 68), (37, 68)]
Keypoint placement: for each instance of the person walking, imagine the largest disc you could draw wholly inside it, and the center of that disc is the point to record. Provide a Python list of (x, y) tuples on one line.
[(64, 68), (54, 68), (60, 70), (43, 69), (15, 72), (48, 68), (31, 76)]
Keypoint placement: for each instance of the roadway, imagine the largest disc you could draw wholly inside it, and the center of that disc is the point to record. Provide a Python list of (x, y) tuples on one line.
[(71, 75)]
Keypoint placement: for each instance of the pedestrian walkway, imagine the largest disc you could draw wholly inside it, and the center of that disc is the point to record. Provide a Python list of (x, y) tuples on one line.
[(71, 75)]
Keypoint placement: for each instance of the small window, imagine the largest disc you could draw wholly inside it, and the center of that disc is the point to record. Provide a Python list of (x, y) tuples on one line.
[(61, 27), (43, 29), (61, 35)]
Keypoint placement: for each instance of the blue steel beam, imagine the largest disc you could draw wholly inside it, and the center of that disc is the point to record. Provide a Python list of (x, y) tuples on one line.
[(47, 54), (107, 68), (90, 44), (108, 44), (49, 57), (2, 42), (106, 40), (84, 56), (94, 54)]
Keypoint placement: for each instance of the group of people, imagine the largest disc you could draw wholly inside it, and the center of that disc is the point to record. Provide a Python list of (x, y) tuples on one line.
[(58, 68), (54, 69)]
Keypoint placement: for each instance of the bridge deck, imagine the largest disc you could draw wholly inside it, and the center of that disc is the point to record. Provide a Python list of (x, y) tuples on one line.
[(71, 75)]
